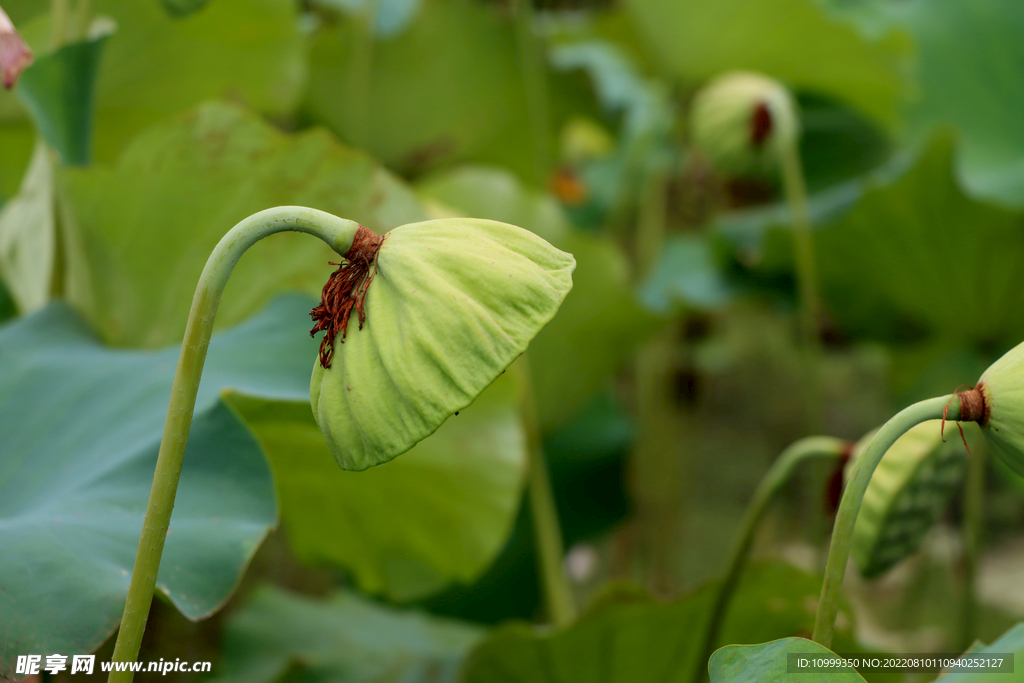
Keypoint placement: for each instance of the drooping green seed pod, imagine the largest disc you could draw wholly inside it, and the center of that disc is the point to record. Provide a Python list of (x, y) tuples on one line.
[(912, 485), (997, 404), (443, 307), (741, 120)]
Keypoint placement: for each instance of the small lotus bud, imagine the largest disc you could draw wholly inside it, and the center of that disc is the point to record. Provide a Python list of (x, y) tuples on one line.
[(908, 491), (740, 120), (15, 55), (442, 307), (997, 404)]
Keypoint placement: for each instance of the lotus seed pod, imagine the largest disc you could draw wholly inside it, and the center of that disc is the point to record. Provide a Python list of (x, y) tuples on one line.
[(908, 491), (442, 307), (741, 120), (997, 404)]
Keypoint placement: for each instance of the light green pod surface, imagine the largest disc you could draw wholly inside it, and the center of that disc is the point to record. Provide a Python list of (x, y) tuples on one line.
[(452, 304), (906, 496), (1002, 386), (721, 121)]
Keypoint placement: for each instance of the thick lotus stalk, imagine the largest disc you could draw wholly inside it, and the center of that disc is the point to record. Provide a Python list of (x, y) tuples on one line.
[(443, 308)]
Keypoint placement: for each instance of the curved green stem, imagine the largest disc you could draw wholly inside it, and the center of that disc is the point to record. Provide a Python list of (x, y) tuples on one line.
[(853, 496), (547, 530), (804, 450), (338, 234)]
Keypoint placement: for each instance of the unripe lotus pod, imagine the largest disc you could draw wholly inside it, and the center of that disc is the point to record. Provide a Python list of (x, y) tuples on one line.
[(997, 404), (449, 304), (912, 485), (741, 120)]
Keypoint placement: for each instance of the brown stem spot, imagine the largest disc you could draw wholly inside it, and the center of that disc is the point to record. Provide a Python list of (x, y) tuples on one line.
[(346, 290)]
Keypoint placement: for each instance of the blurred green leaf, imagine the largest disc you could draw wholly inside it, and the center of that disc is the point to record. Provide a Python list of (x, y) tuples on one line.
[(631, 638), (767, 663), (155, 66), (390, 17), (139, 234), (27, 236), (438, 514), (17, 142), (58, 91), (596, 330), (795, 41), (967, 61), (82, 425), (448, 88), (494, 193), (183, 8), (910, 244), (341, 638), (686, 274), (423, 102), (600, 322), (8, 309), (1011, 642)]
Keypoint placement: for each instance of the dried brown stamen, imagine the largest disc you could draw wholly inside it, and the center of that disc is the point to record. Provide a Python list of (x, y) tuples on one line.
[(346, 290), (973, 408)]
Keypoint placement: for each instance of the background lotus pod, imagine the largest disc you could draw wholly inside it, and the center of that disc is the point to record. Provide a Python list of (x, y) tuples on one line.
[(1001, 408), (453, 303), (908, 492), (741, 120)]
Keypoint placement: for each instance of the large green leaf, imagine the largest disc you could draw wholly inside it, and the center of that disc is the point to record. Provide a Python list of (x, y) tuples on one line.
[(81, 425), (343, 638), (1012, 642), (154, 66), (27, 235), (454, 301), (59, 91), (967, 61), (138, 234), (601, 321), (910, 244), (438, 514), (768, 663), (449, 85), (795, 41), (633, 639)]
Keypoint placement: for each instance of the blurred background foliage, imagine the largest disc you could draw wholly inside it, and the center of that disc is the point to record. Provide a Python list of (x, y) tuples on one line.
[(664, 388)]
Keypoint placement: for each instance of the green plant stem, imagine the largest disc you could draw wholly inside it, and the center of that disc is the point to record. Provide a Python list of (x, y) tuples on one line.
[(973, 501), (803, 244), (532, 64), (83, 16), (780, 473), (547, 530), (853, 496), (60, 18), (338, 234)]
